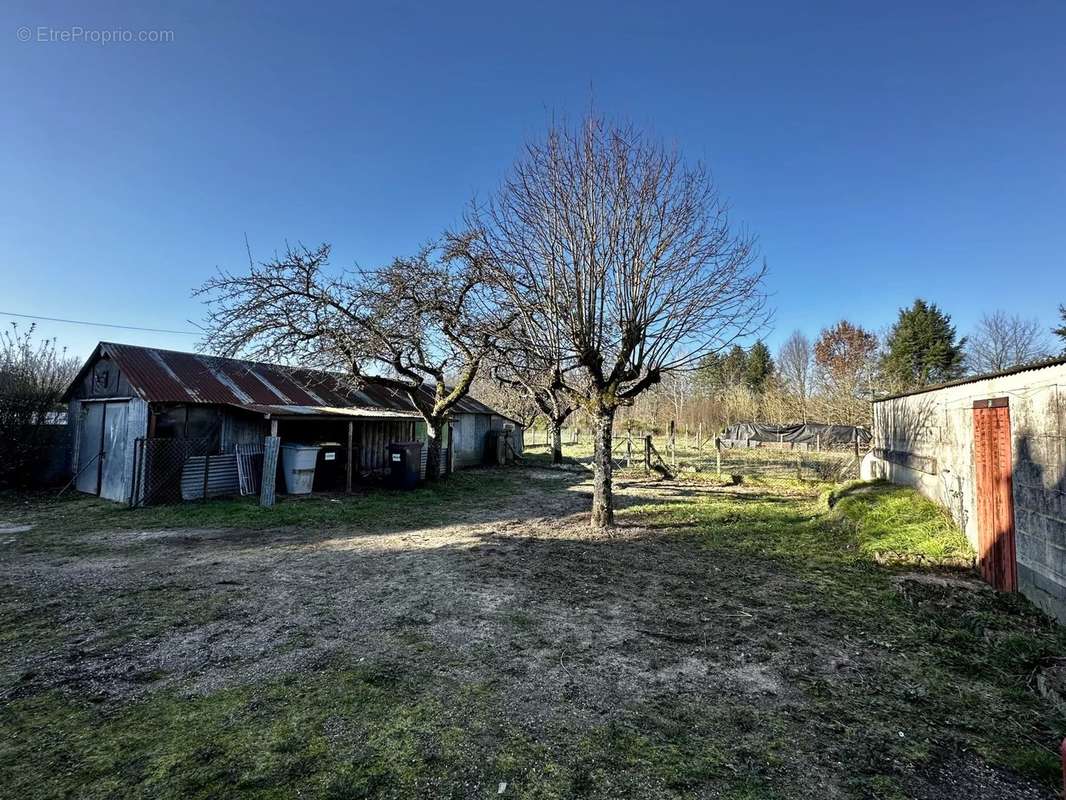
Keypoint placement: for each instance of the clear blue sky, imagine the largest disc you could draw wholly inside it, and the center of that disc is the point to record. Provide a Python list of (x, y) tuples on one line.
[(905, 149)]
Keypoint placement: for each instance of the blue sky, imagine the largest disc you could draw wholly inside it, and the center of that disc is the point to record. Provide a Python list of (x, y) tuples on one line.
[(879, 154)]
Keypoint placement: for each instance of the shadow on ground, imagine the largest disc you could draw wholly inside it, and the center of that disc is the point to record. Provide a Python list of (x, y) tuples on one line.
[(727, 642)]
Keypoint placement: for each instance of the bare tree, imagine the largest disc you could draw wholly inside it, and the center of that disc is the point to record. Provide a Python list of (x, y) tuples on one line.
[(405, 327), (506, 399), (845, 355), (618, 256), (1001, 341), (794, 367), (539, 378)]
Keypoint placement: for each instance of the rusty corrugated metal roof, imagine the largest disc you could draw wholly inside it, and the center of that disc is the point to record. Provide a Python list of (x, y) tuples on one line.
[(345, 412), (172, 376)]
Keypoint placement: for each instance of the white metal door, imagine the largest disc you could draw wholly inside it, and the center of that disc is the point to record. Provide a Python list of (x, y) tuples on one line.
[(90, 440), (113, 469)]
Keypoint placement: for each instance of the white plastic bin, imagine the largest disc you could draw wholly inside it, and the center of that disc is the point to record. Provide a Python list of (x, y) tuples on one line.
[(298, 464)]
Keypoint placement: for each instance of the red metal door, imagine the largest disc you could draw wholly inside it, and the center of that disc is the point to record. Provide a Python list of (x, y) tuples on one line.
[(995, 498)]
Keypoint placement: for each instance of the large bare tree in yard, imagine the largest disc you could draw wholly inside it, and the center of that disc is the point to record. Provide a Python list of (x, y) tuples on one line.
[(406, 326), (619, 260)]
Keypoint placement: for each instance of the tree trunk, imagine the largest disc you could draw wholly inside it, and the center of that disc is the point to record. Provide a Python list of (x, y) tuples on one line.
[(602, 499), (556, 428), (433, 446)]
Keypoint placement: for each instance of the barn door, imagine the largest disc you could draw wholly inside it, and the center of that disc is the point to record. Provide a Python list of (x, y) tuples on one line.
[(995, 498), (90, 444), (113, 468)]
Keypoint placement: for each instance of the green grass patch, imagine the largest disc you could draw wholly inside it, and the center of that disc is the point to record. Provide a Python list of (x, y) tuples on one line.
[(897, 523), (372, 508)]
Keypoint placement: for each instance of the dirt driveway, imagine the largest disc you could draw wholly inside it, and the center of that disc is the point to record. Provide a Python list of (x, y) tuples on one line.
[(723, 644)]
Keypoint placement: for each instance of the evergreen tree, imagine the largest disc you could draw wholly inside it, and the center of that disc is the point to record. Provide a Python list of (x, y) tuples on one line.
[(718, 372), (1061, 330), (759, 368), (922, 348)]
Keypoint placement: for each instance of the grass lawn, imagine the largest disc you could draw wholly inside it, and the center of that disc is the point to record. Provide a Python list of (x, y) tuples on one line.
[(475, 640)]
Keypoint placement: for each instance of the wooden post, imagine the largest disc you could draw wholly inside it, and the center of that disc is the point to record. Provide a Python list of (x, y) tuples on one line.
[(629, 448), (673, 443), (647, 453), (271, 448), (207, 473), (699, 439), (718, 455), (348, 472), (856, 430), (1062, 756)]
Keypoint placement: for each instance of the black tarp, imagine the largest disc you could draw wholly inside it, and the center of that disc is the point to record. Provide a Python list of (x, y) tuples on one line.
[(809, 433)]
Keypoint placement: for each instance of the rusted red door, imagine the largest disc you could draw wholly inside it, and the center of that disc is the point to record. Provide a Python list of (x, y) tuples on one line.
[(995, 498)]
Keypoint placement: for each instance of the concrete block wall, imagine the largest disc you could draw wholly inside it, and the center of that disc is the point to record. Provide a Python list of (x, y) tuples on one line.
[(925, 440)]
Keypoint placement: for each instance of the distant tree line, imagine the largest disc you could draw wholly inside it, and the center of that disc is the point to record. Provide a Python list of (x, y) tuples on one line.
[(833, 378)]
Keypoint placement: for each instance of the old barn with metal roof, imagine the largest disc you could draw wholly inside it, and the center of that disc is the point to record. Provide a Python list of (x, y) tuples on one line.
[(141, 416)]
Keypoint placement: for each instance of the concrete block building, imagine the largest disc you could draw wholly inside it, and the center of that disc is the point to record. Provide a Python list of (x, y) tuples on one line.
[(991, 449)]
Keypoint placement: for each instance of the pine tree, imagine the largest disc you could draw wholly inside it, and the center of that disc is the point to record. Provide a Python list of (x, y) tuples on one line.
[(759, 368), (718, 372), (922, 348), (1061, 330)]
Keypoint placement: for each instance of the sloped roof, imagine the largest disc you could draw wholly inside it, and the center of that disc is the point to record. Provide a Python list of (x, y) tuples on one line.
[(172, 376), (1057, 361)]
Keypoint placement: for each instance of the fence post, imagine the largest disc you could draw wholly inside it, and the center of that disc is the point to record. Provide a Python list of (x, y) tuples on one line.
[(856, 435), (718, 455), (207, 473), (647, 453), (673, 443), (629, 448), (138, 459), (699, 439)]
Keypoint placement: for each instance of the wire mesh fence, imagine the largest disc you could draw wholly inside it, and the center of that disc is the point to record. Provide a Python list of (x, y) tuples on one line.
[(685, 454), (158, 466)]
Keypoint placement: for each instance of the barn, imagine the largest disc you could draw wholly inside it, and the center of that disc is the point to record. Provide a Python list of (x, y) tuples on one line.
[(143, 420), (991, 449)]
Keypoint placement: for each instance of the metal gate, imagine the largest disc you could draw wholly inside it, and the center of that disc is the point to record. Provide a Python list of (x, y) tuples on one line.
[(995, 494)]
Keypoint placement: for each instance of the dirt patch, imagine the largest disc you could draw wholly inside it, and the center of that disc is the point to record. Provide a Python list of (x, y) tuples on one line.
[(658, 631), (968, 776)]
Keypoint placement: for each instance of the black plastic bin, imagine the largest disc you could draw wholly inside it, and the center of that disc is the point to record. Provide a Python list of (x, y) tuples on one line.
[(405, 464), (331, 467)]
